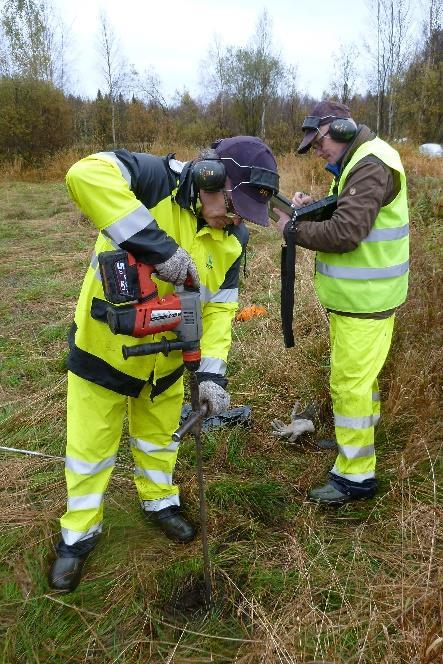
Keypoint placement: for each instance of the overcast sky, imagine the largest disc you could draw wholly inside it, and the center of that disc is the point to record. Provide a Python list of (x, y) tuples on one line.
[(173, 37)]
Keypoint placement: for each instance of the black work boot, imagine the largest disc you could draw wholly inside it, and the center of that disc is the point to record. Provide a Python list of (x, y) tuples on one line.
[(66, 570), (173, 524)]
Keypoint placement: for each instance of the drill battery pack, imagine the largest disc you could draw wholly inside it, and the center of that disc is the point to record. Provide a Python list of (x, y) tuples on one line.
[(119, 277)]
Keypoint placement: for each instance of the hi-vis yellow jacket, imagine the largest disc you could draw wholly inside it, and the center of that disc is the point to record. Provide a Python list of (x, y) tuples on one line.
[(131, 199), (374, 276)]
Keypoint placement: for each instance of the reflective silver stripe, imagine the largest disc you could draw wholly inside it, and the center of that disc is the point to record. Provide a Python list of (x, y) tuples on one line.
[(160, 503), (354, 422), (123, 170), (351, 452), (147, 447), (354, 477), (205, 294), (383, 234), (88, 502), (72, 536), (131, 224), (86, 467), (376, 396), (362, 272), (212, 365), (94, 265), (223, 295), (156, 476), (376, 419)]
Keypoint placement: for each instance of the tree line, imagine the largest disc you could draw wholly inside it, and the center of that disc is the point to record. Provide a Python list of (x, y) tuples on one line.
[(248, 89)]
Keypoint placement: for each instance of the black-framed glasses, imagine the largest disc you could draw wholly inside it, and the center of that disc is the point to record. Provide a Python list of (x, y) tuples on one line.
[(318, 141)]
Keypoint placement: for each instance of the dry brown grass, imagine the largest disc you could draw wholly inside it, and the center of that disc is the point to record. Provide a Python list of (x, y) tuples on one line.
[(417, 164), (297, 172)]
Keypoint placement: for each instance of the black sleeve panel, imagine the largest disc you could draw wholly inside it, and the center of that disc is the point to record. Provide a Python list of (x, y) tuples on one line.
[(151, 179), (358, 205), (151, 245), (232, 275), (151, 182)]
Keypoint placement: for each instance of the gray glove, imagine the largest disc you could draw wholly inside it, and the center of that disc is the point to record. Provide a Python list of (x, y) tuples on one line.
[(176, 269), (295, 428), (214, 396)]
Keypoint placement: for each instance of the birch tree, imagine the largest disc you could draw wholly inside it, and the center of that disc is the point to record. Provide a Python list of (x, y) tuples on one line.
[(389, 51), (214, 71), (254, 75), (345, 73), (114, 68)]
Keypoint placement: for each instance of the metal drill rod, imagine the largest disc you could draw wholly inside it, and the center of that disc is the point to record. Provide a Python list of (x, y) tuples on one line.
[(189, 423), (196, 430), (41, 455), (31, 453)]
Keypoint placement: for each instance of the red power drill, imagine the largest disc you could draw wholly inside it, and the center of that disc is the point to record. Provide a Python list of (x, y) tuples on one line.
[(127, 280)]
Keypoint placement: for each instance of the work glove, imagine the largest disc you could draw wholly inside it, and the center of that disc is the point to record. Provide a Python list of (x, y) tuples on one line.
[(176, 269), (214, 396), (299, 424)]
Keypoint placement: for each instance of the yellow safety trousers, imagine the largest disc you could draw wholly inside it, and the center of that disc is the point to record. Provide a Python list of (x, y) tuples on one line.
[(94, 428), (359, 348)]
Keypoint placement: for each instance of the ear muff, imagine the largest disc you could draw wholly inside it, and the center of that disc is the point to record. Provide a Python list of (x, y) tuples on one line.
[(209, 173), (342, 130)]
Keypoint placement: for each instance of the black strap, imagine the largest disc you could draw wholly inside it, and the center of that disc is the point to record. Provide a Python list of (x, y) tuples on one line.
[(287, 270), (165, 382)]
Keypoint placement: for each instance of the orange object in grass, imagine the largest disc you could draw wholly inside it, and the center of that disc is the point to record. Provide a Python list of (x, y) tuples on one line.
[(250, 312)]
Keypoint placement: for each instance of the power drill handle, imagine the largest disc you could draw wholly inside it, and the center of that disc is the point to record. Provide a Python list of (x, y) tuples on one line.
[(164, 346)]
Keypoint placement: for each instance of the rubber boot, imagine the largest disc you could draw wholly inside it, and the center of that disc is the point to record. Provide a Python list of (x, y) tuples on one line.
[(173, 524), (65, 572), (339, 491)]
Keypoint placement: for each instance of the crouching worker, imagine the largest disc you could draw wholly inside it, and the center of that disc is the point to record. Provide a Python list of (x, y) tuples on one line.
[(186, 219), (361, 277)]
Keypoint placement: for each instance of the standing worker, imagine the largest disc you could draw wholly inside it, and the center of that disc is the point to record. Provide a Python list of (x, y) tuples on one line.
[(361, 277), (185, 219)]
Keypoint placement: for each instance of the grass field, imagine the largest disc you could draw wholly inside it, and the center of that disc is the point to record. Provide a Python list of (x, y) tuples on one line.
[(292, 582)]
